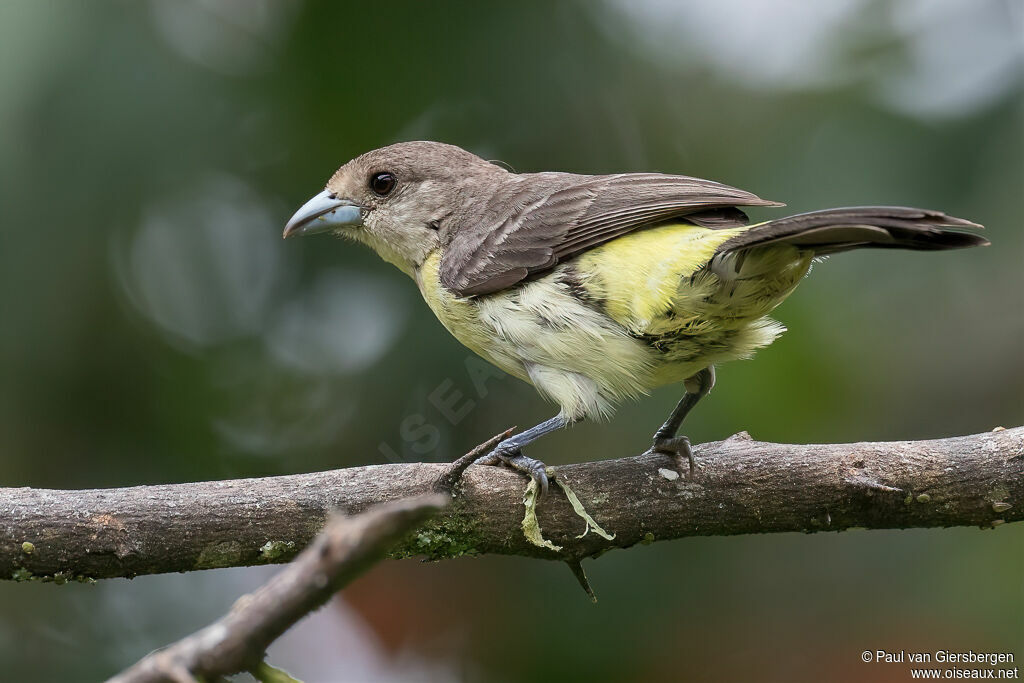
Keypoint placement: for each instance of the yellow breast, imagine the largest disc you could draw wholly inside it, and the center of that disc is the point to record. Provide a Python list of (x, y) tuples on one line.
[(543, 333), (639, 274), (461, 317)]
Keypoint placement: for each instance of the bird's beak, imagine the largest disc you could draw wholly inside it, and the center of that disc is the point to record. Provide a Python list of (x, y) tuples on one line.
[(324, 212)]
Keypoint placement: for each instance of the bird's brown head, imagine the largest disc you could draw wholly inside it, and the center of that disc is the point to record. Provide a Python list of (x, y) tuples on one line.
[(397, 199)]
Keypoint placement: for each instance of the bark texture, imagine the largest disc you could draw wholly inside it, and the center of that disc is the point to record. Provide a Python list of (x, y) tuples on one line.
[(238, 640), (742, 486)]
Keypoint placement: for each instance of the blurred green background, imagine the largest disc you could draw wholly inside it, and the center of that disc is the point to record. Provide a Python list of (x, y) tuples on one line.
[(156, 329)]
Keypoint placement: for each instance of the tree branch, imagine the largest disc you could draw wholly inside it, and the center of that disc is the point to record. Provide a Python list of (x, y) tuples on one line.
[(742, 486), (238, 640)]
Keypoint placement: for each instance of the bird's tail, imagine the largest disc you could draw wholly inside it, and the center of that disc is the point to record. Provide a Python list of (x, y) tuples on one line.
[(880, 227)]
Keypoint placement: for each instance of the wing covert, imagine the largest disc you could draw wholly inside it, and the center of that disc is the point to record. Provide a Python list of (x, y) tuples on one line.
[(533, 221)]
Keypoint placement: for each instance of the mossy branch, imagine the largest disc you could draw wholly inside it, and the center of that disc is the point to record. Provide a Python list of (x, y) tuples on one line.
[(742, 486), (238, 640)]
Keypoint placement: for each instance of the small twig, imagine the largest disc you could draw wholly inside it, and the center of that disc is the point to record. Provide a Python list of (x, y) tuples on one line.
[(454, 472), (860, 480), (238, 641), (581, 576)]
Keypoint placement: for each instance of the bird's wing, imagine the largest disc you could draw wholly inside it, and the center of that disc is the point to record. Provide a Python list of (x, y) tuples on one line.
[(536, 220)]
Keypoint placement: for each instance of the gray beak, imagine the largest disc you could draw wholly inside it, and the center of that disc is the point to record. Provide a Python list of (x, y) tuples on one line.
[(322, 213)]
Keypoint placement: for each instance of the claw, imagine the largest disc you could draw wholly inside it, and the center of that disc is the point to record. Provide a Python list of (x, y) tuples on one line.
[(489, 459), (535, 468), (531, 467), (677, 448)]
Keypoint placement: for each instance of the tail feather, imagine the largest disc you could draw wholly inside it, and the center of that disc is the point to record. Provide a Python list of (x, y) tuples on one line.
[(880, 227)]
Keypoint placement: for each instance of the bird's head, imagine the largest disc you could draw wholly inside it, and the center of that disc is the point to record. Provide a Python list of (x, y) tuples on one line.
[(398, 199)]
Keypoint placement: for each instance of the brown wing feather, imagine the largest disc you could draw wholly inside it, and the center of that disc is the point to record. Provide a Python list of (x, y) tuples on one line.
[(834, 230), (533, 221)]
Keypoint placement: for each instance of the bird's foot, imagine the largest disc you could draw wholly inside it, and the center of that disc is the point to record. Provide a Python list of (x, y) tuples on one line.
[(677, 448), (514, 458)]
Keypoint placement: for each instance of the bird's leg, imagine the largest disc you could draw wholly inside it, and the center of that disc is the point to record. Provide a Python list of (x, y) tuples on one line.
[(508, 452), (665, 439)]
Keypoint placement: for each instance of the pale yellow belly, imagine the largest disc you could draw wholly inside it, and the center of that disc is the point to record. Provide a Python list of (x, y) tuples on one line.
[(574, 354), (622, 318)]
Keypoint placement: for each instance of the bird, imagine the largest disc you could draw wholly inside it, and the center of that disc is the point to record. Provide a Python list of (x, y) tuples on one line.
[(596, 289)]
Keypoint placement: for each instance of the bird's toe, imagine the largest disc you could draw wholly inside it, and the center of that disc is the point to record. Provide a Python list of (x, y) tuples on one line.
[(678, 448), (514, 459)]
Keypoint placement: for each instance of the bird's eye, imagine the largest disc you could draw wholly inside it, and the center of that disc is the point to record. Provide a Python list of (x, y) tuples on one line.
[(383, 183)]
